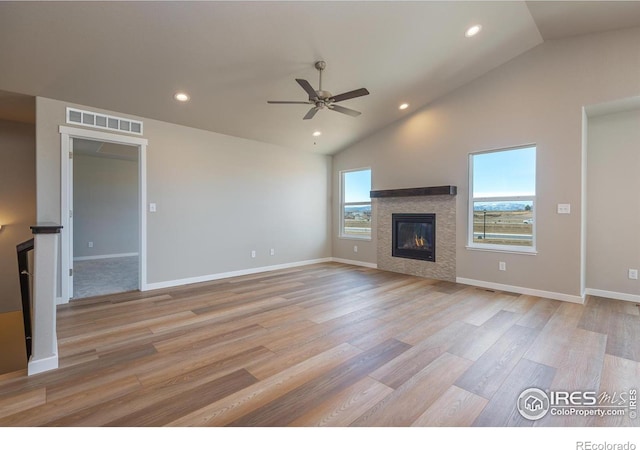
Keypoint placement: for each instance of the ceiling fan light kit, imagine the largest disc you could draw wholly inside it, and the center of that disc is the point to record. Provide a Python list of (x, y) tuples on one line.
[(321, 99)]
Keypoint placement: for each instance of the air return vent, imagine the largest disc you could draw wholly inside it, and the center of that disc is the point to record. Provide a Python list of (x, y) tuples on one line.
[(96, 120)]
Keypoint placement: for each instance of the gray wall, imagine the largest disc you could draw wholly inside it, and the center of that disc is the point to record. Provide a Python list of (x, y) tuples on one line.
[(17, 204), (105, 206), (535, 98), (613, 208), (218, 198)]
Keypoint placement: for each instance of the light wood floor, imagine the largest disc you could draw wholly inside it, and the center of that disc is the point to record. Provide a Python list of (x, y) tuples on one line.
[(324, 345)]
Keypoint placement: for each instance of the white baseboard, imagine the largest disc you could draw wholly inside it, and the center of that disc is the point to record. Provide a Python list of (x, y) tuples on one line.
[(522, 290), (236, 273), (42, 365), (355, 263), (614, 295), (115, 255)]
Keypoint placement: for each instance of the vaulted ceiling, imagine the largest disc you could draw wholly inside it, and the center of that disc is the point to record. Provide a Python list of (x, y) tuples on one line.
[(231, 57)]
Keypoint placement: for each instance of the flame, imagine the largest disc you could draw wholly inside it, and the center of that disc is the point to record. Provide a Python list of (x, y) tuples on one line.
[(419, 241)]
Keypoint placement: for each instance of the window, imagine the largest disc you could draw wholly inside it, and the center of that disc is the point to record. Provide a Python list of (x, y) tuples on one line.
[(355, 204), (502, 205)]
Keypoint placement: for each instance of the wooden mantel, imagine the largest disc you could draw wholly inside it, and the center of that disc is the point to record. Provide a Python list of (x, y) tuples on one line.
[(415, 192)]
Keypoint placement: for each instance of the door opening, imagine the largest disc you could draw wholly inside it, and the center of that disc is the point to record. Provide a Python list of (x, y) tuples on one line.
[(103, 198), (104, 219)]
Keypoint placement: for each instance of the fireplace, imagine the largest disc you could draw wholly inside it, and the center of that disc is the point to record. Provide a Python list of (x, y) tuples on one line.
[(414, 236)]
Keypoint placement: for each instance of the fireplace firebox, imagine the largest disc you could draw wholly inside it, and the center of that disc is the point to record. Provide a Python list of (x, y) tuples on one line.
[(414, 236)]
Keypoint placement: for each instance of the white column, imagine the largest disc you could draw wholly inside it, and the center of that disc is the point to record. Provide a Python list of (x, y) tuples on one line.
[(44, 354)]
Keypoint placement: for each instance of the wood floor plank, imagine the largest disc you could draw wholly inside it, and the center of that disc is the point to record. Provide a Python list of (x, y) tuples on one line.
[(186, 401), (455, 408), (522, 304), (24, 400), (582, 365), (370, 338), (458, 306), (220, 355), (205, 336), (551, 345), (489, 304), (475, 343), (397, 371), (335, 311), (501, 411), (619, 376), (55, 409), (539, 315), (623, 336), (293, 404), (95, 374), (486, 375), (266, 368), (596, 315), (345, 407), (407, 403), (219, 316), (608, 317), (580, 371), (322, 345), (244, 401), (140, 400), (287, 336)]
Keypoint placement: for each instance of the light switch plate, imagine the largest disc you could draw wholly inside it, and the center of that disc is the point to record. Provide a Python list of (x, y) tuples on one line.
[(152, 207), (564, 208)]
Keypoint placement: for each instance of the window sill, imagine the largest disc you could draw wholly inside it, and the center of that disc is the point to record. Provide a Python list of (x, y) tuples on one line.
[(355, 238), (532, 252)]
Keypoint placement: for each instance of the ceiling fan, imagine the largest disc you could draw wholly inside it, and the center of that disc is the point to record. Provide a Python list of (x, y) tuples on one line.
[(324, 99)]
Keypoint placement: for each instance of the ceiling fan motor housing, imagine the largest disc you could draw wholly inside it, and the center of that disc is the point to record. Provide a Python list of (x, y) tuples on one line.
[(322, 99), (323, 95)]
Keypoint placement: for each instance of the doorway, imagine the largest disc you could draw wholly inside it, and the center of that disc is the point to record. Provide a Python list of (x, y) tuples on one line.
[(105, 218), (103, 198)]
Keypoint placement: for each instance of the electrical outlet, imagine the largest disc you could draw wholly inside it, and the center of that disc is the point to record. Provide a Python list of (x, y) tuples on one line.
[(633, 274), (273, 251), (355, 249), (152, 207), (502, 265), (253, 253), (90, 244)]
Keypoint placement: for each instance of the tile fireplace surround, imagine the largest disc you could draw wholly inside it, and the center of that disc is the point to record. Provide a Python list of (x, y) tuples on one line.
[(420, 200)]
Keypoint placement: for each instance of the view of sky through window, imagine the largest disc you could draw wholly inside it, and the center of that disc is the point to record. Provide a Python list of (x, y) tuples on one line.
[(505, 174), (357, 186)]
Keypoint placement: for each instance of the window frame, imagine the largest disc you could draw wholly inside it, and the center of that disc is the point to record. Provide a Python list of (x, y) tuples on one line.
[(503, 248), (343, 204)]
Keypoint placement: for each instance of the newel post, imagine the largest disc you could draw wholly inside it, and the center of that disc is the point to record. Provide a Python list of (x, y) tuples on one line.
[(44, 355)]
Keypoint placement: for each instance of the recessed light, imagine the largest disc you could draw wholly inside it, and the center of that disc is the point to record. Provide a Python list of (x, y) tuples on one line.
[(317, 133), (403, 106), (473, 30), (181, 97)]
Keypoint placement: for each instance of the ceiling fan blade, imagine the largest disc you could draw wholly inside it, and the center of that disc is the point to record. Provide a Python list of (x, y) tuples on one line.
[(288, 103), (347, 95), (312, 112), (307, 87), (343, 110)]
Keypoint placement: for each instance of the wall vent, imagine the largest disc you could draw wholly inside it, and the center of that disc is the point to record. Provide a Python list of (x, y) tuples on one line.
[(103, 121)]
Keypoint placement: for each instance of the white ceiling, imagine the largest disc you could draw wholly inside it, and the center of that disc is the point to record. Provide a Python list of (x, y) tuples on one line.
[(232, 57)]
